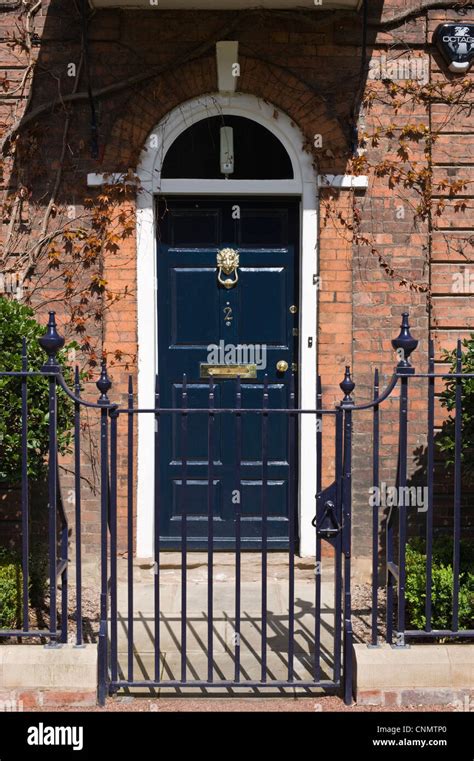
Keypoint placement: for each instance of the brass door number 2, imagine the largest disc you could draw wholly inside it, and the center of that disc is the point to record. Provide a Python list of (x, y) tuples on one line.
[(228, 315)]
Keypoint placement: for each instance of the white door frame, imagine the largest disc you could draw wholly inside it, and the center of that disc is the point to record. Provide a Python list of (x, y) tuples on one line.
[(305, 186)]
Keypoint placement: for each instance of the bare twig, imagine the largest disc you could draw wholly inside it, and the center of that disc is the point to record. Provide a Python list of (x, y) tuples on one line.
[(412, 13), (57, 182)]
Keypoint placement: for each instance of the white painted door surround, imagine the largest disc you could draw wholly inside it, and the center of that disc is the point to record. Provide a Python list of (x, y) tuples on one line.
[(303, 185)]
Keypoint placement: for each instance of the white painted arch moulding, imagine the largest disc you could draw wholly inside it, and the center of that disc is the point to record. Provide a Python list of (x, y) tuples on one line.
[(305, 186)]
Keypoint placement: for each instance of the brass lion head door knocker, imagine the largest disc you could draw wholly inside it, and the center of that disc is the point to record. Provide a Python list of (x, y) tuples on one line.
[(228, 263)]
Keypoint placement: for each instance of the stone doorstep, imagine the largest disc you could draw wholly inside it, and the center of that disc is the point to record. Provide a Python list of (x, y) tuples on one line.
[(419, 675), (224, 571)]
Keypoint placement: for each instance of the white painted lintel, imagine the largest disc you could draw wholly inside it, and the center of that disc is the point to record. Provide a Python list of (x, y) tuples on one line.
[(343, 181), (95, 180), (227, 57)]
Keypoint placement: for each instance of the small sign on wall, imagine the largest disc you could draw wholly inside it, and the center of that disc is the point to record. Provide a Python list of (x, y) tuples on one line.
[(456, 44)]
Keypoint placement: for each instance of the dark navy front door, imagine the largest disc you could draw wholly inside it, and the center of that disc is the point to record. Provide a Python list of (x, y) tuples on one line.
[(199, 322)]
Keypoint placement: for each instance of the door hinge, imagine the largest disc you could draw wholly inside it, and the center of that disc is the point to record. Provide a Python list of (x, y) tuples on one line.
[(296, 332), (294, 367)]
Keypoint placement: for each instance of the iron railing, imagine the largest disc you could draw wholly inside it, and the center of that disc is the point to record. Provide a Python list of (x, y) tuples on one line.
[(396, 530), (58, 529), (332, 523)]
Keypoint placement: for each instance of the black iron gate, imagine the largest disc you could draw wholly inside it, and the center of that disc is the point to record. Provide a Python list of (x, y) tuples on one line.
[(256, 626), (260, 647)]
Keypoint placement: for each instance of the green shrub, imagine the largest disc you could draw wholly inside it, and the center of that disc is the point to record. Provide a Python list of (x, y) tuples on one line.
[(11, 583), (442, 584), (448, 400), (18, 322), (10, 590)]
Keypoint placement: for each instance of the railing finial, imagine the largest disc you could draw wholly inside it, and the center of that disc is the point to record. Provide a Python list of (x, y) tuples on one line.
[(51, 342), (404, 345), (347, 385), (104, 384)]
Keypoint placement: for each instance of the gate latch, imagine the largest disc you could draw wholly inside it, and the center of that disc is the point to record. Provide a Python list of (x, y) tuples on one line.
[(326, 520)]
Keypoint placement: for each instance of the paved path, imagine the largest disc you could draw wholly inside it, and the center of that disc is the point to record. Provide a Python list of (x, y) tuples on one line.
[(224, 636)]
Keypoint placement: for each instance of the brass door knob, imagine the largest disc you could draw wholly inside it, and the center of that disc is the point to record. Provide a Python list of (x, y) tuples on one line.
[(282, 366)]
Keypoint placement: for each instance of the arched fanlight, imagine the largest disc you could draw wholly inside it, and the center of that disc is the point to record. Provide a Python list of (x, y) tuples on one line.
[(227, 145)]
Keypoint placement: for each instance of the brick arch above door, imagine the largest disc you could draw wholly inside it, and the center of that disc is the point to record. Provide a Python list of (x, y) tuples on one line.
[(310, 111)]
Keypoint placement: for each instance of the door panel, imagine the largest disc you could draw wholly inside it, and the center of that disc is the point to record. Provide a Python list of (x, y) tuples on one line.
[(266, 293), (196, 313), (196, 450), (185, 328)]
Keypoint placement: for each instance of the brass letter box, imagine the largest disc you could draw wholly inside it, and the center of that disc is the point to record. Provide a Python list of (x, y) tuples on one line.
[(228, 371)]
